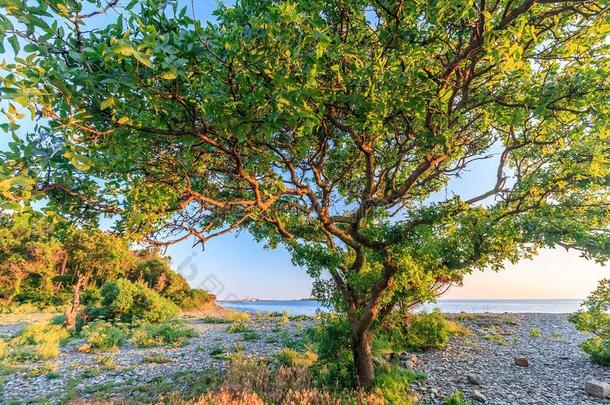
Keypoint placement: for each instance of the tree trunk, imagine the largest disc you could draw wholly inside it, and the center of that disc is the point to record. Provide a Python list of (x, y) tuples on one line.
[(72, 311), (363, 359), (62, 271)]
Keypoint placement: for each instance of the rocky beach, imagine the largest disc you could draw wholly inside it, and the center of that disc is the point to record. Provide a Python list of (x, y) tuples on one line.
[(503, 359)]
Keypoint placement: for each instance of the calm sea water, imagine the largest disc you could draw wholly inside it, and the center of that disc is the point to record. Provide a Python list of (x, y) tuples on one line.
[(449, 306)]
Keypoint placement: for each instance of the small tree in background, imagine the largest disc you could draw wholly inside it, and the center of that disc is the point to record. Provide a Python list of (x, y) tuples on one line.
[(594, 318), (330, 127)]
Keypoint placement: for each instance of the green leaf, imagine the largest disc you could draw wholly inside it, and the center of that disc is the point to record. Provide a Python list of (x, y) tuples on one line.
[(30, 48), (142, 59), (110, 101), (14, 41), (169, 75)]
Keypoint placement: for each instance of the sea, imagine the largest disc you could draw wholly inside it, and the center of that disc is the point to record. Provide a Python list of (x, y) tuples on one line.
[(311, 307)]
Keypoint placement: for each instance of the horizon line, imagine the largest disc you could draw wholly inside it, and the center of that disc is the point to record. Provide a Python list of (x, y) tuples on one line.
[(440, 299)]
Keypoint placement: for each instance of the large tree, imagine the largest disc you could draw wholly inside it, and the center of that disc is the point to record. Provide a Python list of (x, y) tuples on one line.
[(332, 127)]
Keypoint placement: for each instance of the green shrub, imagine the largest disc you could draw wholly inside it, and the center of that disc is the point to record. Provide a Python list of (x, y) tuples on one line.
[(428, 330), (393, 384), (493, 335), (90, 296), (125, 301), (217, 351), (535, 332), (239, 328), (238, 316), (194, 298), (214, 320), (250, 335), (593, 318), (418, 332), (156, 358), (39, 341), (174, 332), (292, 358), (103, 335), (331, 342), (456, 399)]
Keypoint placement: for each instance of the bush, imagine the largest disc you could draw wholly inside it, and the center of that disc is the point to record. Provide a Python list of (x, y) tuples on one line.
[(214, 320), (159, 277), (194, 299), (239, 328), (456, 399), (393, 384), (125, 301), (90, 296), (419, 332), (291, 358), (173, 332), (593, 318), (238, 316), (103, 335), (331, 342), (250, 335), (39, 341)]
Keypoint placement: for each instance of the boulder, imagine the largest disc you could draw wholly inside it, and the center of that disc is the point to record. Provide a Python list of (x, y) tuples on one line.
[(522, 362), (597, 388), (473, 379)]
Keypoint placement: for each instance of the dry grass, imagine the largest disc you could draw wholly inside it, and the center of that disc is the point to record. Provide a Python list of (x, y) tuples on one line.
[(39, 341), (252, 382)]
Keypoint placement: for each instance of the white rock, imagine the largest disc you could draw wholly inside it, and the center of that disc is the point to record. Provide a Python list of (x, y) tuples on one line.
[(478, 395), (597, 388)]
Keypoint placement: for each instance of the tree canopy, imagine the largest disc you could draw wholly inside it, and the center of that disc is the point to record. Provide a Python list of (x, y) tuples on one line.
[(330, 127), (42, 261)]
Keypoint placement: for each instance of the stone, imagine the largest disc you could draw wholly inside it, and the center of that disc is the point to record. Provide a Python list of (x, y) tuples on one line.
[(409, 360), (84, 348), (473, 379), (478, 395), (522, 362), (597, 388)]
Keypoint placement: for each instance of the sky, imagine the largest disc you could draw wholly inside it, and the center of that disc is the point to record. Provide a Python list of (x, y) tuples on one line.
[(237, 267)]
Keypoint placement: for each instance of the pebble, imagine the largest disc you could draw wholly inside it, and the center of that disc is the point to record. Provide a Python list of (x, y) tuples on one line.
[(521, 362), (473, 379), (559, 383), (477, 395), (131, 368)]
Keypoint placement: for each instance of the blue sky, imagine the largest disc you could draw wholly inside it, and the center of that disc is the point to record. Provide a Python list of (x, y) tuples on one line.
[(238, 267)]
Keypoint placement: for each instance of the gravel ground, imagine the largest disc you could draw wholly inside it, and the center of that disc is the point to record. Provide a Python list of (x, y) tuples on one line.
[(88, 376), (556, 373)]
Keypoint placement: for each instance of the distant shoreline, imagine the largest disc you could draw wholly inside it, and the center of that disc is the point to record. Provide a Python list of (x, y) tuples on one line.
[(440, 300), (312, 307)]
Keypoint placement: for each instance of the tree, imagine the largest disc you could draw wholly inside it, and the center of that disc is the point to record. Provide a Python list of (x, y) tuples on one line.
[(29, 257), (330, 127)]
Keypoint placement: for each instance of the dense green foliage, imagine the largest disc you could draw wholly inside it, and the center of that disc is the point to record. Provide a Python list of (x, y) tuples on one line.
[(398, 333), (418, 332), (594, 318), (170, 332), (331, 127), (40, 261), (128, 302), (103, 335)]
